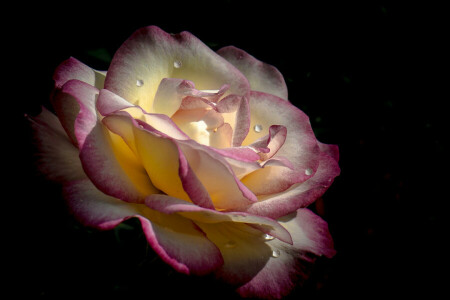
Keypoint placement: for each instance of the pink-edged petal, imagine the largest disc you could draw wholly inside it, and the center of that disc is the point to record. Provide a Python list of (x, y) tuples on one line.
[(330, 150), (57, 157), (171, 205), (273, 142), (104, 164), (300, 146), (289, 265), (177, 240), (300, 195), (226, 190), (151, 54), (262, 77), (108, 103), (164, 162), (74, 69)]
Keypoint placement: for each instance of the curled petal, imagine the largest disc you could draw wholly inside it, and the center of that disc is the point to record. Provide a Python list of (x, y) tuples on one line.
[(262, 77), (300, 145), (272, 142), (299, 195)]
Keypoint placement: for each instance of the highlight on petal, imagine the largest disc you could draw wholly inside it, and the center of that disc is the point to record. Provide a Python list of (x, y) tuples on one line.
[(74, 69), (262, 77), (151, 54), (177, 240)]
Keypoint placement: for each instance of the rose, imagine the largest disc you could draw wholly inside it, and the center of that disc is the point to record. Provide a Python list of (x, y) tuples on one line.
[(203, 148)]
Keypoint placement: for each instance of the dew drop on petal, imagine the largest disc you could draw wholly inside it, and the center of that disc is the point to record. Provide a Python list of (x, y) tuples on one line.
[(268, 237), (177, 64), (276, 253), (308, 171), (257, 128), (230, 244), (140, 82)]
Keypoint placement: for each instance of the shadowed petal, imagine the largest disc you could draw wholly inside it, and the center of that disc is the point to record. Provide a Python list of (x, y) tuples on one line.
[(177, 240)]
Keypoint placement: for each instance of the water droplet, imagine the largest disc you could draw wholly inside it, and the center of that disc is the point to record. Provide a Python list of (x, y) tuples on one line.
[(140, 82), (258, 128), (230, 244), (177, 64), (276, 253), (308, 171), (268, 237)]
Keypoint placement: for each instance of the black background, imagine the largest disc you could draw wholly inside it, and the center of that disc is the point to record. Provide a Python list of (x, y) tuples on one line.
[(368, 75)]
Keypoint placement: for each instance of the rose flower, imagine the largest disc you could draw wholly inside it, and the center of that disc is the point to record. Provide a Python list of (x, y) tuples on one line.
[(203, 148)]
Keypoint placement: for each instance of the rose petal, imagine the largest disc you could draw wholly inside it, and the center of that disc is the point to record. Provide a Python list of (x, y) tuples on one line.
[(151, 54), (109, 102), (287, 266), (161, 157), (330, 150), (57, 156), (225, 189), (273, 142), (262, 77), (299, 195), (170, 205), (110, 165), (300, 146), (177, 240), (221, 137), (169, 95), (74, 69)]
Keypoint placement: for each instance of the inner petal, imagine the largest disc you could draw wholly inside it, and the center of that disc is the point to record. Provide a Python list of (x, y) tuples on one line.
[(201, 125)]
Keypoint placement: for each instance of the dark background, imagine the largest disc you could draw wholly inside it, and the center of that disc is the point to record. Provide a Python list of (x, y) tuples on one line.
[(368, 75)]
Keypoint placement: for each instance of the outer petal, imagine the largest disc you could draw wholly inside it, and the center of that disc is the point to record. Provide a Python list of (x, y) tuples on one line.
[(299, 195), (151, 54), (57, 156), (177, 240), (74, 69), (287, 266), (262, 77), (104, 162), (300, 146)]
